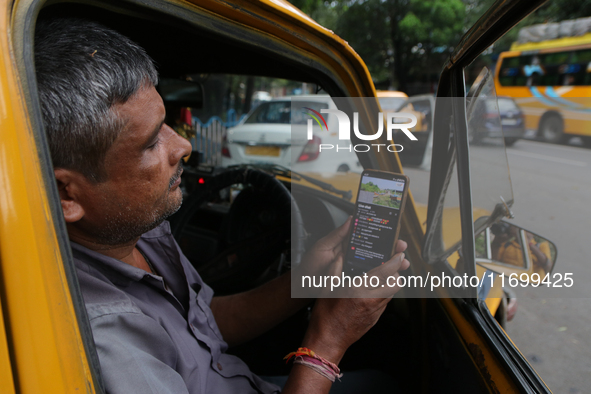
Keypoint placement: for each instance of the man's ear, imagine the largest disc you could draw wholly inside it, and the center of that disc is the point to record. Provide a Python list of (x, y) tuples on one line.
[(70, 186)]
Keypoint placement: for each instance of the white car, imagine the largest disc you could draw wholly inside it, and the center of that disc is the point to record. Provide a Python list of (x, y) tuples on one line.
[(267, 135)]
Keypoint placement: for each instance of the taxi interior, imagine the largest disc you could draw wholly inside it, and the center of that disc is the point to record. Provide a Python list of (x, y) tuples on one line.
[(415, 342)]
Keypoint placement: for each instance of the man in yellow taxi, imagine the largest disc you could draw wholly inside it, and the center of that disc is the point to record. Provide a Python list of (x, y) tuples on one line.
[(507, 248), (157, 327), (540, 254)]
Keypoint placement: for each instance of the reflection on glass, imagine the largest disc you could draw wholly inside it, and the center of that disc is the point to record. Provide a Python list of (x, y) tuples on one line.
[(391, 103), (481, 246), (542, 253), (506, 245), (488, 117), (416, 156), (508, 249), (418, 153), (446, 234)]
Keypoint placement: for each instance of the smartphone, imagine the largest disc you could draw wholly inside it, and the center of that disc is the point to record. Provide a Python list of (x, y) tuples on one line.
[(376, 222)]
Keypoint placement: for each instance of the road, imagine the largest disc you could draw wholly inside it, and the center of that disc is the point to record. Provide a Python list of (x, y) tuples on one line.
[(552, 189), (552, 197)]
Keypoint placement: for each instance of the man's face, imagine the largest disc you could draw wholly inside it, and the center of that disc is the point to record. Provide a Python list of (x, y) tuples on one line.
[(143, 168)]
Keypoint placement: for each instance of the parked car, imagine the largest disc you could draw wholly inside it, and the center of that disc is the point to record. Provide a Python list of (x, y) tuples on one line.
[(418, 153), (260, 97), (487, 125), (267, 135), (391, 100), (452, 342), (512, 121)]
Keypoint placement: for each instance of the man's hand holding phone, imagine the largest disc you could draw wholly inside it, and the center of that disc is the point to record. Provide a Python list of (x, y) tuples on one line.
[(390, 269), (326, 260), (336, 323), (376, 222)]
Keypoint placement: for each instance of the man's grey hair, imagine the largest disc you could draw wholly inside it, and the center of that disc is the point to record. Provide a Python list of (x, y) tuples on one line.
[(83, 70)]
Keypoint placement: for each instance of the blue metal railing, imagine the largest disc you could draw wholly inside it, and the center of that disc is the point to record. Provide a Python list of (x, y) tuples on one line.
[(209, 136)]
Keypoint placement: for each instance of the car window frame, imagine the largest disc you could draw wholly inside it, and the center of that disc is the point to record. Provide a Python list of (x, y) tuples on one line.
[(501, 17), (22, 41), (450, 116)]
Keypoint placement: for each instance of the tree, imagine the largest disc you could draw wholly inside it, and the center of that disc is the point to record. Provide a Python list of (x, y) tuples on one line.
[(553, 11), (324, 12), (402, 39), (363, 25), (559, 10), (409, 40)]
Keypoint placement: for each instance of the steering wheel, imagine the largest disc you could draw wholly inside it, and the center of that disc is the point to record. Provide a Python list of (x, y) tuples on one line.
[(264, 224)]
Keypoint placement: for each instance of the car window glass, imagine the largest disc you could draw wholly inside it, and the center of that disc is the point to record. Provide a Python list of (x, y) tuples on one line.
[(230, 100), (488, 122), (391, 103), (506, 105), (423, 106), (448, 230), (280, 113), (247, 120), (416, 156), (270, 113), (298, 117), (549, 172)]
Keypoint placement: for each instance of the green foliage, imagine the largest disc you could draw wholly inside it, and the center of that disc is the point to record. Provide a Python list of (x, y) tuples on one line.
[(399, 39), (435, 22), (474, 10), (365, 27), (325, 13), (370, 187), (410, 40), (559, 10), (480, 245)]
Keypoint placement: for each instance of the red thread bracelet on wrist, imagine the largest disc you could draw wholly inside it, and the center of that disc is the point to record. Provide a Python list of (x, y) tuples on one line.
[(319, 364)]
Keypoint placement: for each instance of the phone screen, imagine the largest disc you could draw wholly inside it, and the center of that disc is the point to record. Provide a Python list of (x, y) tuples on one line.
[(376, 222)]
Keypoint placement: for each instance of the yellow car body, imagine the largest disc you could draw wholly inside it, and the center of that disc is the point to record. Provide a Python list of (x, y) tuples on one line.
[(45, 343)]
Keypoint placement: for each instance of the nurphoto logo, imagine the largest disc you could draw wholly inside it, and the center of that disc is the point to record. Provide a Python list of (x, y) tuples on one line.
[(393, 122)]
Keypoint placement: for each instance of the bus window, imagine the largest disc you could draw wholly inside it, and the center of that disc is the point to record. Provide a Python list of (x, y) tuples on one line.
[(556, 69), (555, 58), (511, 71), (506, 81), (581, 56), (520, 81), (550, 78), (512, 61)]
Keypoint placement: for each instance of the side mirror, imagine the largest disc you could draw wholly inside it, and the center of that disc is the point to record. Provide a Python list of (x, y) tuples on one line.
[(181, 93), (509, 249)]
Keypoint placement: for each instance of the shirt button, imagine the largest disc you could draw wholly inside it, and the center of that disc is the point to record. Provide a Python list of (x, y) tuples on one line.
[(220, 366)]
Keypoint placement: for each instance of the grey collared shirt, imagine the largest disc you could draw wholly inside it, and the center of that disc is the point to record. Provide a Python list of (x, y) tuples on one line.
[(156, 333)]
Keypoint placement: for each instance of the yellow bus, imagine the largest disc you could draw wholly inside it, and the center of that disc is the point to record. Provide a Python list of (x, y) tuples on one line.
[(551, 82)]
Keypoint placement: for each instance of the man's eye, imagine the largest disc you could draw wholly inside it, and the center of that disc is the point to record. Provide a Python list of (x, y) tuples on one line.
[(154, 145)]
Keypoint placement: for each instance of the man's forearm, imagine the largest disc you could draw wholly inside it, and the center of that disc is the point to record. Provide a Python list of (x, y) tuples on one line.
[(306, 381), (244, 316)]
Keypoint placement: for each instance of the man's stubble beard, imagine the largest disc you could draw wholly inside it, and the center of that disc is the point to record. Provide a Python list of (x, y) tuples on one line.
[(126, 226)]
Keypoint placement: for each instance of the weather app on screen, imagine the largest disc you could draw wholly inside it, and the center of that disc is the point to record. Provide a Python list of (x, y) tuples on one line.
[(375, 223)]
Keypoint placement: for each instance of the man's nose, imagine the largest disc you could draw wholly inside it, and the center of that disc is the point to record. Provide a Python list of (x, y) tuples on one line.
[(180, 148)]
